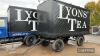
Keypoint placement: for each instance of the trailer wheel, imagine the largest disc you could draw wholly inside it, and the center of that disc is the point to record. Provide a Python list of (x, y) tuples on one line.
[(30, 40), (57, 45), (45, 43), (80, 40), (65, 40)]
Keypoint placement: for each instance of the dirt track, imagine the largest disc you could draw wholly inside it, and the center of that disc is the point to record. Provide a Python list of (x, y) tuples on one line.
[(69, 50)]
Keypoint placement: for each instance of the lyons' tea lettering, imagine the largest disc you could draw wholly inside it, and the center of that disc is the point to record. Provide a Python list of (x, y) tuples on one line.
[(72, 15), (29, 13)]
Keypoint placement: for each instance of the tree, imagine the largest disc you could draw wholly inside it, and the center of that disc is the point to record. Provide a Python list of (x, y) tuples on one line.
[(94, 12), (90, 6), (98, 6)]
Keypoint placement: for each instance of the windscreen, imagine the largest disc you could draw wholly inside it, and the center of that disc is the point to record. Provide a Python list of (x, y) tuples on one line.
[(2, 23)]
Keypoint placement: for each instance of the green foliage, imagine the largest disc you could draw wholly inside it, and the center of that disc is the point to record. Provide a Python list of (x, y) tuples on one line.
[(98, 6), (90, 6), (94, 12)]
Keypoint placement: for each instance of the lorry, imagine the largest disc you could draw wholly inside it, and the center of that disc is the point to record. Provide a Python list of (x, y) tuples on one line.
[(53, 23), (19, 26), (58, 21)]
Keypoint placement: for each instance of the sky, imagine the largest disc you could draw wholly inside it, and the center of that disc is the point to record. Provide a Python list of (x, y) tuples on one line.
[(4, 4)]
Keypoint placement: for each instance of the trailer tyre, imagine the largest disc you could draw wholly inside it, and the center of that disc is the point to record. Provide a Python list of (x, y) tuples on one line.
[(80, 40), (30, 40), (57, 45), (65, 40), (45, 43)]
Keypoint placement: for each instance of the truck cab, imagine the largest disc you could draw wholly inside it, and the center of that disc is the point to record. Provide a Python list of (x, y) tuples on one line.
[(7, 37), (3, 27)]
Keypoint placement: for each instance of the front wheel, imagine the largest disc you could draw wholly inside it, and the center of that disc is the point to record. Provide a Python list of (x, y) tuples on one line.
[(30, 40), (80, 40), (57, 45)]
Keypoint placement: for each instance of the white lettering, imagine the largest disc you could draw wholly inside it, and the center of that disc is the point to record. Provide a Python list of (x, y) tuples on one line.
[(78, 24), (18, 14), (74, 12), (28, 15), (68, 10), (84, 25), (34, 25), (60, 12), (72, 24), (34, 14)]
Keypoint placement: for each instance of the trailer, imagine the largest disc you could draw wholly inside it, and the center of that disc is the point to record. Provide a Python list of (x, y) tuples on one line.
[(58, 21), (20, 25)]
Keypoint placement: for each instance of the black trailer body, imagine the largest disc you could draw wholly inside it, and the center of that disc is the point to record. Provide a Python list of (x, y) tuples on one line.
[(58, 18), (21, 19)]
